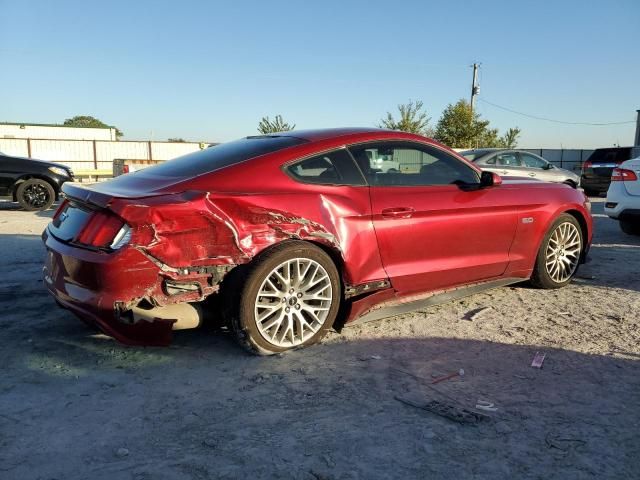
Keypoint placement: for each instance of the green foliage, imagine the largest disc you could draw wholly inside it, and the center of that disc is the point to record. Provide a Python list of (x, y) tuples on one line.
[(176, 140), (510, 138), (460, 128), (267, 126), (86, 121), (412, 119)]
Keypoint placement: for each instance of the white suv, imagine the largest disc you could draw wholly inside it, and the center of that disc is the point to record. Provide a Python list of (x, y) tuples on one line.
[(623, 197)]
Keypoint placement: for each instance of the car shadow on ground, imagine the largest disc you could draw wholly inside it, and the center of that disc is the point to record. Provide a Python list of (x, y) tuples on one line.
[(9, 206)]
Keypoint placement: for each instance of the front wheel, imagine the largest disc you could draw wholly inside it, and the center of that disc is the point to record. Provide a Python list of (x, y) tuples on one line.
[(629, 227), (35, 194), (559, 254), (289, 299)]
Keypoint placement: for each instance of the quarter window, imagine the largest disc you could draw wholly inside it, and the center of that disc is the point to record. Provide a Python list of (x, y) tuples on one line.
[(406, 164), (334, 168)]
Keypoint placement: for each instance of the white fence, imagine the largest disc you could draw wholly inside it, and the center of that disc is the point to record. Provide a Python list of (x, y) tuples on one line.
[(93, 154), (83, 155)]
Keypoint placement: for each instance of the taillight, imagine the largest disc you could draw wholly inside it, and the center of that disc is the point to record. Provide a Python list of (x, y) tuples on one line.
[(101, 230), (60, 209), (125, 169), (623, 175), (586, 165)]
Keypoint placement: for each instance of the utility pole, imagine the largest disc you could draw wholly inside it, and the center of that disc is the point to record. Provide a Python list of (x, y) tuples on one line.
[(636, 143), (475, 88)]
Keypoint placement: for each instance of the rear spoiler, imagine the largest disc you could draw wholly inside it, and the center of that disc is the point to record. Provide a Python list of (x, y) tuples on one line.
[(86, 194)]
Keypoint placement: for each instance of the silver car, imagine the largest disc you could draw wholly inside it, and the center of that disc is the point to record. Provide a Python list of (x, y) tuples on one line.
[(518, 163)]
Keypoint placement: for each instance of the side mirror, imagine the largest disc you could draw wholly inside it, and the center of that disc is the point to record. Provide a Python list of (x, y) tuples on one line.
[(548, 166), (490, 179)]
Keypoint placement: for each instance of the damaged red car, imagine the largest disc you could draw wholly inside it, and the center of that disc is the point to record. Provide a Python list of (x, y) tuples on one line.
[(291, 234)]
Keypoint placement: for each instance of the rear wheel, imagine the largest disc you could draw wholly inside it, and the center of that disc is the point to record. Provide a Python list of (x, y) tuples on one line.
[(35, 194), (629, 227), (559, 254), (289, 299)]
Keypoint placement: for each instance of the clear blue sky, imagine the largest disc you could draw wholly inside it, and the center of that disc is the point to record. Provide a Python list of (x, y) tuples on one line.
[(206, 70)]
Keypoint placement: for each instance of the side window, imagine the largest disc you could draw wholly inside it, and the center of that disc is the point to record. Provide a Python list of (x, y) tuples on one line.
[(407, 164), (532, 161), (491, 161), (334, 168), (508, 159)]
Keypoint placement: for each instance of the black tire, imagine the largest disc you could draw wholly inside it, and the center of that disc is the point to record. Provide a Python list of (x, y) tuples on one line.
[(35, 194), (541, 277), (242, 311), (571, 183), (629, 227)]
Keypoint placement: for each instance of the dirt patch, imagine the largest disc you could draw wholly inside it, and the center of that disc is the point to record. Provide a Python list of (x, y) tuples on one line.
[(75, 404)]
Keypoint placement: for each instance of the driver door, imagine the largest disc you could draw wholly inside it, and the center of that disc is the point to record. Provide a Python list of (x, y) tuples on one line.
[(434, 231)]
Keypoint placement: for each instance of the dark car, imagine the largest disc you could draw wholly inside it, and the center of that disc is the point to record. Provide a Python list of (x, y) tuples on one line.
[(293, 233), (35, 184), (596, 171)]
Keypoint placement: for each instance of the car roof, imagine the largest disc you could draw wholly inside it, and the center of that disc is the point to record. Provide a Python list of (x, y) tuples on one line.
[(319, 134)]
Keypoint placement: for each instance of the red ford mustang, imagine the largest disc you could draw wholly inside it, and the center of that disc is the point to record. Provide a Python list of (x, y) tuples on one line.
[(296, 232)]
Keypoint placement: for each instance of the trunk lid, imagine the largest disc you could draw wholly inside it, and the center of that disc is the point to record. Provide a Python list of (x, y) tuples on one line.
[(633, 186)]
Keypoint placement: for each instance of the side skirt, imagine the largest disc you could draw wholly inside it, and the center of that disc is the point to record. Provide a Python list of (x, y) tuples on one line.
[(432, 299)]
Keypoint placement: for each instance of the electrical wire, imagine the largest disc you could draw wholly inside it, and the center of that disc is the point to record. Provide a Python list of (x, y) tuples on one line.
[(600, 124)]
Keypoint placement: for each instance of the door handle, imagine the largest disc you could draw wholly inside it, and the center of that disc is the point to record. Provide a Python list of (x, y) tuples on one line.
[(532, 174), (397, 212)]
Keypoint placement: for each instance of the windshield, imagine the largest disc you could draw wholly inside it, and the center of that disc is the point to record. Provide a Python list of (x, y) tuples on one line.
[(220, 156)]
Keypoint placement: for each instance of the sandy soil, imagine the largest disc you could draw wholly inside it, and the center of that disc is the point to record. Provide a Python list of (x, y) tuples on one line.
[(77, 405)]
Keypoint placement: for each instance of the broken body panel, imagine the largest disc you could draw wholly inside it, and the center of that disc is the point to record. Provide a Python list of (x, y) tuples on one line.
[(187, 234)]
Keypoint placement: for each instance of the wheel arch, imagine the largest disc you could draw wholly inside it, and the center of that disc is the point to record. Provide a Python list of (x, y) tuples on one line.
[(29, 176), (583, 228)]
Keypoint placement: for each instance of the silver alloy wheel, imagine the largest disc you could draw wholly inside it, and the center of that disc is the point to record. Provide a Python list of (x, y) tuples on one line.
[(563, 252), (293, 302)]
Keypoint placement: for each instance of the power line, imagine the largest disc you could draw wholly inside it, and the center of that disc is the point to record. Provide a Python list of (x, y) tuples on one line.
[(551, 119)]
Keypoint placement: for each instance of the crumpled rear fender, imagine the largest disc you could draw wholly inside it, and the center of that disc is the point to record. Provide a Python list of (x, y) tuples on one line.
[(199, 229)]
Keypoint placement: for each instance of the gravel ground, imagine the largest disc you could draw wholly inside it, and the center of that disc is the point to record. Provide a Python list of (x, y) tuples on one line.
[(75, 404)]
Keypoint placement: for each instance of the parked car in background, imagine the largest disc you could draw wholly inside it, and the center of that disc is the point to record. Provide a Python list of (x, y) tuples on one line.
[(34, 184), (623, 196), (294, 233), (519, 163), (596, 170)]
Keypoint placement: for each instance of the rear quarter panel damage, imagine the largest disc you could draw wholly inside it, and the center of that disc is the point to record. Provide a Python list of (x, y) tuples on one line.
[(186, 233)]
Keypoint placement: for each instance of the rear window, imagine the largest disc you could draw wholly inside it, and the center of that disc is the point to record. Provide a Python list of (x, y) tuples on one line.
[(223, 155), (610, 155)]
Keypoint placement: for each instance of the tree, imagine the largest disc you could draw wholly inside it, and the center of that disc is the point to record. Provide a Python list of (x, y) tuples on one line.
[(510, 138), (176, 140), (267, 126), (86, 121), (459, 127), (412, 119)]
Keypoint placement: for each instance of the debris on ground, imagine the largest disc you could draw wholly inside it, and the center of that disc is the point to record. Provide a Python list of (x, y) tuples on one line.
[(459, 373), (563, 443), (454, 413), (122, 452), (538, 359), (476, 313), (370, 357), (486, 406)]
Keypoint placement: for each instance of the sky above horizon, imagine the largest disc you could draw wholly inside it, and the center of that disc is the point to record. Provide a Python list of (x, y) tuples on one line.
[(209, 71)]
